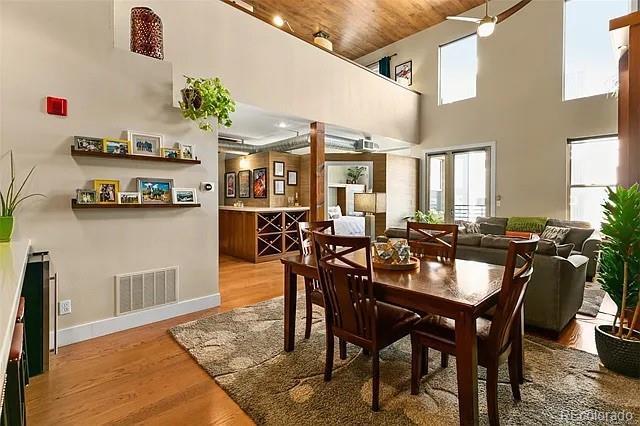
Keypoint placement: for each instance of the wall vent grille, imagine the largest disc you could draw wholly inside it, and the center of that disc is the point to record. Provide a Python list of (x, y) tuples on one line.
[(137, 291)]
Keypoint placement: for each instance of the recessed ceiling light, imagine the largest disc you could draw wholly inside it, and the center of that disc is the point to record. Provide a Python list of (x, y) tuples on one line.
[(278, 21), (282, 125)]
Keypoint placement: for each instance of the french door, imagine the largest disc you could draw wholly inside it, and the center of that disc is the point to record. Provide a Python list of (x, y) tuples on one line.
[(459, 183)]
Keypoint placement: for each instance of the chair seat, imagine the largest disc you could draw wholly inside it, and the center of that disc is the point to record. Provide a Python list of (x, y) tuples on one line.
[(393, 323), (445, 328)]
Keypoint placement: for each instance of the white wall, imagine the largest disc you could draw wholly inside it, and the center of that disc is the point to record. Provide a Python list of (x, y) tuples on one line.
[(268, 68), (519, 104), (66, 49)]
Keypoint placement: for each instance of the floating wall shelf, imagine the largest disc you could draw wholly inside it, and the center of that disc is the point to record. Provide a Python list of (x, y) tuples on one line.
[(76, 206), (79, 153)]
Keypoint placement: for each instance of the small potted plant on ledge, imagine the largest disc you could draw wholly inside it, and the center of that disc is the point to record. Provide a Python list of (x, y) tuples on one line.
[(355, 173), (205, 98), (618, 344), (11, 199)]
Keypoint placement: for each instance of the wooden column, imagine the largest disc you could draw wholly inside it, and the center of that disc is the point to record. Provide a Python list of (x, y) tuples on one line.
[(316, 173), (627, 29)]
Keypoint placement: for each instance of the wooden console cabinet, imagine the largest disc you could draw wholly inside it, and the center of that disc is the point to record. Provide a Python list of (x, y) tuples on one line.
[(260, 234)]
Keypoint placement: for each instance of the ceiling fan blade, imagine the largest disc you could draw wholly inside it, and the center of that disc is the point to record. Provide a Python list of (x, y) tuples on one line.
[(464, 18), (513, 9)]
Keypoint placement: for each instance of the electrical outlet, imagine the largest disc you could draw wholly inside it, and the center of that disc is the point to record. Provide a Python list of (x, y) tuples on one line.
[(64, 307)]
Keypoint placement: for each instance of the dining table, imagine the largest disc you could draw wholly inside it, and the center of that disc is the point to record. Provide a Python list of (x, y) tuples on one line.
[(461, 290)]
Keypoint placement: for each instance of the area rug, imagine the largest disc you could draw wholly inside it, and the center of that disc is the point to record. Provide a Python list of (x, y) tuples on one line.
[(242, 351), (593, 297)]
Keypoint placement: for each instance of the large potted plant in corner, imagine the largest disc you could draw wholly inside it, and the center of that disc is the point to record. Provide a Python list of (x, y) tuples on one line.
[(206, 98), (11, 199), (618, 344)]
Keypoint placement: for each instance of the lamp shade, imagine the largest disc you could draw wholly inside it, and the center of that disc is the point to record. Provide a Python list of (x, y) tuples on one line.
[(370, 202)]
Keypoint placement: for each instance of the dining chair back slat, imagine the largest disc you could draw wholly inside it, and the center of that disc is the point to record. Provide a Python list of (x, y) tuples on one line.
[(428, 240), (304, 233)]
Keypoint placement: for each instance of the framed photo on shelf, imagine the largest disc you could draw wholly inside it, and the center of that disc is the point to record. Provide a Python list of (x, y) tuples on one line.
[(230, 185), (278, 186), (155, 190), (404, 73), (106, 190), (116, 146), (145, 143), (292, 178), (86, 143), (129, 198), (86, 196), (170, 152), (244, 184), (187, 151), (184, 196), (260, 183), (278, 169)]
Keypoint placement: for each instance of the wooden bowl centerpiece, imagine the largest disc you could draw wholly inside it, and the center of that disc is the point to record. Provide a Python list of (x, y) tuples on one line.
[(394, 255)]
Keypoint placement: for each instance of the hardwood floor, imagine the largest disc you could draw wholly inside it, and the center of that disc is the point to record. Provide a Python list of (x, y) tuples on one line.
[(143, 376)]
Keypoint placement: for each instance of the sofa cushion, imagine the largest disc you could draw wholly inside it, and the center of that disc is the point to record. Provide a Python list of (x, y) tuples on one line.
[(555, 233), (565, 250), (569, 223), (526, 224), (491, 228), (577, 237), (547, 248), (496, 241), (466, 239), (493, 220)]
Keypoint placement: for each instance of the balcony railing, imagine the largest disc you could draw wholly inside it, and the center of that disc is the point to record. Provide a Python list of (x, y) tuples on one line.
[(468, 212)]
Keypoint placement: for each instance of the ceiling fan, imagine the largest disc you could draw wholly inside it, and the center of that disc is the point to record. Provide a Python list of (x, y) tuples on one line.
[(487, 24)]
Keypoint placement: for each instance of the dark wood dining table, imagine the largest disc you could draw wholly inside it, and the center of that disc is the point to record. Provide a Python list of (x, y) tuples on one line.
[(462, 290)]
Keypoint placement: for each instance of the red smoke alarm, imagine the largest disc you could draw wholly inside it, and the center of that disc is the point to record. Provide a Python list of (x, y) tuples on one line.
[(56, 106)]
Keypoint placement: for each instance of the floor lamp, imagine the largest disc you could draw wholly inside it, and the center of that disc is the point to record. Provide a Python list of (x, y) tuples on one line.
[(370, 203)]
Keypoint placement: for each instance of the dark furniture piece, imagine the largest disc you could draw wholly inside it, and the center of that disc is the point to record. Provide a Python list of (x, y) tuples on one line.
[(429, 240), (313, 292), (462, 291), (35, 290), (496, 339), (15, 407), (352, 312)]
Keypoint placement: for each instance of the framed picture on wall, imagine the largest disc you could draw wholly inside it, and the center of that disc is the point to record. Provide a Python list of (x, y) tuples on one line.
[(145, 143), (278, 169), (260, 183), (278, 186), (404, 73), (244, 183), (292, 178), (230, 185)]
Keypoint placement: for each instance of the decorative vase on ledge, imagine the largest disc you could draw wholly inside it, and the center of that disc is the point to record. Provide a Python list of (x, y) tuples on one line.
[(6, 228), (146, 33)]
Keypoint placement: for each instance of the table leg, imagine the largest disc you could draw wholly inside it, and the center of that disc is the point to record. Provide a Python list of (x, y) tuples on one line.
[(517, 342), (290, 296), (467, 366)]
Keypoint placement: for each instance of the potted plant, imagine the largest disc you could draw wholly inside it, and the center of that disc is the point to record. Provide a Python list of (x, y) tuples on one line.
[(355, 173), (618, 344), (204, 98), (430, 216), (11, 199)]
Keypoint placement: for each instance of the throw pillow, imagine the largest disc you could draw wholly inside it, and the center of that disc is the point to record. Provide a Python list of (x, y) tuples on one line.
[(526, 224), (578, 236), (547, 248), (555, 233), (468, 227), (565, 250), (491, 229), (334, 212)]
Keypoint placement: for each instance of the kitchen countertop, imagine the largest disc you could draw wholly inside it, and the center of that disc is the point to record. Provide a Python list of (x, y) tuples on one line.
[(263, 209), (13, 261)]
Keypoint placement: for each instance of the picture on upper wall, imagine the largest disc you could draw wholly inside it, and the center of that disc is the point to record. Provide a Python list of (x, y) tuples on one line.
[(184, 196), (128, 198), (187, 152), (155, 190), (85, 143), (145, 143), (116, 146), (278, 187), (230, 185), (106, 190), (244, 183), (278, 169), (404, 73), (173, 153), (292, 178), (86, 196), (260, 183)]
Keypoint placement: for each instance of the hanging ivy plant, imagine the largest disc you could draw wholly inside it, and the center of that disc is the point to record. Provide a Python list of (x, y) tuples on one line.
[(203, 98)]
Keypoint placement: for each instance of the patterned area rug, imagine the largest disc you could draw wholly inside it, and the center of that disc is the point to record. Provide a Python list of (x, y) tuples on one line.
[(242, 351), (593, 297)]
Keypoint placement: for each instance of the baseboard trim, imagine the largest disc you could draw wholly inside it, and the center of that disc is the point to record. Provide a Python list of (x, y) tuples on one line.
[(90, 330)]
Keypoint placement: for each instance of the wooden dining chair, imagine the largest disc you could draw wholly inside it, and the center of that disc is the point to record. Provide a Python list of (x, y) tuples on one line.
[(495, 336), (351, 310), (312, 290), (428, 240)]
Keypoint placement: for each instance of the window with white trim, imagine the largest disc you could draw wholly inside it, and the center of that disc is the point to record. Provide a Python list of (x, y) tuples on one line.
[(458, 69)]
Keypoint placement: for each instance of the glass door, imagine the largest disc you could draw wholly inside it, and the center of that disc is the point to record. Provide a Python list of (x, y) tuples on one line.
[(459, 184)]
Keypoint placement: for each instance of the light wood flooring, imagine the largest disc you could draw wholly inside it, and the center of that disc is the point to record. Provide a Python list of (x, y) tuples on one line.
[(143, 376)]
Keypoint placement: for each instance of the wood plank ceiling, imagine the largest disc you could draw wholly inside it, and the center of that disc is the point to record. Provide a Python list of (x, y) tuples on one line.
[(358, 27)]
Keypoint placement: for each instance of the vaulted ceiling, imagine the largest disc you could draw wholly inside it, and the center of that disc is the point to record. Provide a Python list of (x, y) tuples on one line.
[(358, 27)]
